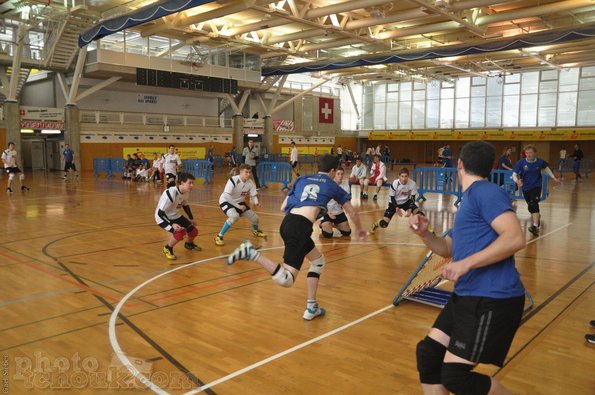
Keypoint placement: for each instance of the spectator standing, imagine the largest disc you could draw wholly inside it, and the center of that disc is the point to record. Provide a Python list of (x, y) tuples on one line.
[(250, 155), (293, 158), (562, 162), (171, 164), (577, 157), (11, 167), (69, 161)]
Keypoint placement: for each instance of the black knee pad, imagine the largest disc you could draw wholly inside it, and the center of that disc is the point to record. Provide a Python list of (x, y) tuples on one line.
[(459, 379), (345, 232), (326, 234), (430, 355), (533, 206), (383, 223)]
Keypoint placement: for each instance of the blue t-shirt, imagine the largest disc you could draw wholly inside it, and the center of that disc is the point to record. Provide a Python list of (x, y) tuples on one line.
[(447, 161), (483, 202), (504, 160), (68, 155), (315, 190), (530, 172)]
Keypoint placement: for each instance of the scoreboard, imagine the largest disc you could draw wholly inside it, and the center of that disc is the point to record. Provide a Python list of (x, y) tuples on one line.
[(191, 82)]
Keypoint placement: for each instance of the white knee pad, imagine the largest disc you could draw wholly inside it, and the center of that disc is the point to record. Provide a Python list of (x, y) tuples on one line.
[(283, 277), (366, 182), (11, 176), (316, 267), (251, 215), (233, 216), (21, 176)]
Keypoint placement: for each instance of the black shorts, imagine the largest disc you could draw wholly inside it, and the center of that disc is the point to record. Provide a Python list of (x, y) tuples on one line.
[(182, 221), (170, 176), (532, 195), (12, 170), (339, 219), (293, 164), (296, 231), (392, 207), (481, 329), (69, 165), (226, 206)]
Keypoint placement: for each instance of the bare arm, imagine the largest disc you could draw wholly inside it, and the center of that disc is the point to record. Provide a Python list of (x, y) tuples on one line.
[(353, 214), (510, 240), (284, 204), (441, 246)]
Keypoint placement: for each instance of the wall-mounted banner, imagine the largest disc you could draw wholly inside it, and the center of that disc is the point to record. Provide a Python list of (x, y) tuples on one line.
[(146, 99), (184, 152), (41, 113), (326, 110), (55, 125), (253, 126), (283, 125), (489, 135), (301, 140)]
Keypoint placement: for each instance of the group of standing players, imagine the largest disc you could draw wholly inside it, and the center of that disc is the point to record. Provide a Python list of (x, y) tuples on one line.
[(480, 320)]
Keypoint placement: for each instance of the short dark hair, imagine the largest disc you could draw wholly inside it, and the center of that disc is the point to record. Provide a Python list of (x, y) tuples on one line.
[(244, 166), (328, 162), (404, 170), (171, 145), (186, 176), (478, 158)]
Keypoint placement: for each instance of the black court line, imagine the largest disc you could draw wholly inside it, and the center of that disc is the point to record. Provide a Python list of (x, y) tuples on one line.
[(543, 305), (143, 335)]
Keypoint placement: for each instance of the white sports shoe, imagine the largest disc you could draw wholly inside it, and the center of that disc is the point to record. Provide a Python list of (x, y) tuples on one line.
[(310, 314), (245, 251)]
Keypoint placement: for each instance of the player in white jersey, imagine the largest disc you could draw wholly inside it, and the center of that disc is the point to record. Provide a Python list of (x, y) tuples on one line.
[(402, 200), (233, 202), (293, 158), (335, 216), (171, 163), (168, 216), (377, 177), (358, 174), (11, 167)]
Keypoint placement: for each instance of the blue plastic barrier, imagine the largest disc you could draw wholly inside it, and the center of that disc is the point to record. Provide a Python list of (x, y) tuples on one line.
[(199, 169), (102, 165), (586, 167), (118, 165), (274, 172), (504, 179), (218, 161)]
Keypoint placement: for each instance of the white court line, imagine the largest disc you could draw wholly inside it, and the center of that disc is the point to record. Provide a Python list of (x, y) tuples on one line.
[(126, 362)]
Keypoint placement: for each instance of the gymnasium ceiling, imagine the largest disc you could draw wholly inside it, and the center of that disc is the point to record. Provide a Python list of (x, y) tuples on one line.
[(318, 32)]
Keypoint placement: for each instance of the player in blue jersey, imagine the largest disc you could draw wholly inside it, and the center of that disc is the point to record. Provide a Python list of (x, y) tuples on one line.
[(479, 321), (527, 175), (304, 204)]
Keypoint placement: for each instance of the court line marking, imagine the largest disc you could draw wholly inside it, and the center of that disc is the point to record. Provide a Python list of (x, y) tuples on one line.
[(155, 388)]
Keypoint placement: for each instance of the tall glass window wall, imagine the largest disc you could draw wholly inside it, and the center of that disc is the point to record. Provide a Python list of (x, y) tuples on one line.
[(549, 98)]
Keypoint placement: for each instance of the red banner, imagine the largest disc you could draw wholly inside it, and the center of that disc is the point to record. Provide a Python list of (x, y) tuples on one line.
[(326, 110), (55, 125)]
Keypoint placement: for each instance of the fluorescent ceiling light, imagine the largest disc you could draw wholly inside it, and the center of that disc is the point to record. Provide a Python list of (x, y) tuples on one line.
[(28, 131), (252, 135), (51, 131)]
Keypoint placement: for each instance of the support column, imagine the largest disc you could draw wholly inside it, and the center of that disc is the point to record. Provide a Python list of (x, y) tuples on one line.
[(267, 137), (238, 132), (72, 132), (12, 122)]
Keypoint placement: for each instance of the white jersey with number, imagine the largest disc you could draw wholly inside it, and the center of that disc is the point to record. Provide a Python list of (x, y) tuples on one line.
[(402, 192), (170, 203), (293, 155), (358, 171), (236, 191), (333, 207), (9, 157), (171, 163)]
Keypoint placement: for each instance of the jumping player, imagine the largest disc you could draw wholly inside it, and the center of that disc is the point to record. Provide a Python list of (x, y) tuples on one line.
[(479, 321), (171, 163), (167, 216), (308, 197), (334, 216), (377, 177), (233, 202), (527, 175), (402, 200), (11, 167)]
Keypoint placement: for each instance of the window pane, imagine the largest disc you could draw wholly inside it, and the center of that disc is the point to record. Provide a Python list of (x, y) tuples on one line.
[(529, 110), (379, 120), (586, 108), (478, 112), (419, 114), (512, 89), (494, 111), (432, 113), (392, 115), (510, 111), (462, 113), (494, 87), (546, 115), (530, 82), (569, 80), (512, 78), (566, 109), (479, 81), (548, 86), (478, 91), (368, 107), (588, 71), (549, 75), (380, 92), (446, 112), (463, 85), (434, 90)]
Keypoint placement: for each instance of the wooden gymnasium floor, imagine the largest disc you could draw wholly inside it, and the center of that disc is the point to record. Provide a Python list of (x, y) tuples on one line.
[(71, 250)]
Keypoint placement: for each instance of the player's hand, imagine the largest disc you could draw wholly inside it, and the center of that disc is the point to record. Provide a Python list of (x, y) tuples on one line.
[(257, 204), (408, 214), (331, 216), (177, 227), (193, 222), (419, 224), (454, 270), (362, 234), (519, 182), (399, 212)]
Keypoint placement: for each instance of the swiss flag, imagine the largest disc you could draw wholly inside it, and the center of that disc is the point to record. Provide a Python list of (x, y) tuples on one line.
[(326, 110)]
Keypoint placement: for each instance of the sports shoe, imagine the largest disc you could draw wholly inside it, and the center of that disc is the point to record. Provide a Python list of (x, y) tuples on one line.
[(365, 196), (590, 338), (169, 254), (259, 233), (375, 197), (310, 314), (24, 188), (192, 246), (8, 190), (219, 240), (245, 251), (375, 226), (592, 323), (534, 229)]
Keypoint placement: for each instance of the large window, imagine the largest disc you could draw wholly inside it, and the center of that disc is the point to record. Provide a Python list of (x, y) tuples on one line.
[(548, 98)]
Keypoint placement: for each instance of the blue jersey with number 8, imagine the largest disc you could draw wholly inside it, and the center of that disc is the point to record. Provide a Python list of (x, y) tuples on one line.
[(315, 190)]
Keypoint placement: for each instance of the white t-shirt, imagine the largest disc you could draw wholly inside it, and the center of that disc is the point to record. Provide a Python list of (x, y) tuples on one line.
[(358, 171), (9, 157), (293, 155), (170, 202), (333, 207), (250, 154), (171, 163), (402, 192), (236, 191), (156, 163)]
